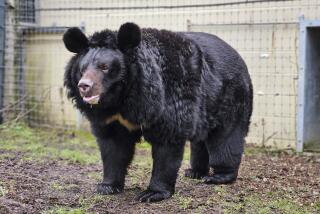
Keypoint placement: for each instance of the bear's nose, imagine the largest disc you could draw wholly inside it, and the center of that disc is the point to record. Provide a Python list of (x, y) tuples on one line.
[(84, 86)]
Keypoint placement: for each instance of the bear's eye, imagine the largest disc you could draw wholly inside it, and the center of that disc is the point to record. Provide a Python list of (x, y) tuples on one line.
[(103, 67)]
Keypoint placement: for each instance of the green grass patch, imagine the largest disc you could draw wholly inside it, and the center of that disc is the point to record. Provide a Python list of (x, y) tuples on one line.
[(317, 206), (3, 190), (252, 149), (62, 187), (184, 202), (143, 144), (262, 205), (220, 189), (65, 210), (37, 144), (95, 175), (187, 152), (6, 156), (85, 203), (78, 156), (290, 207)]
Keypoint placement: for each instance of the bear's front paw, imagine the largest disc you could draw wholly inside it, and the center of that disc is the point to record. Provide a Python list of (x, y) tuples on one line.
[(152, 196), (107, 189), (190, 173), (222, 178)]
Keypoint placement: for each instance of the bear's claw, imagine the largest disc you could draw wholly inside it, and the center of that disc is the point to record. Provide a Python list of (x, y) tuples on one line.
[(152, 196), (190, 173), (107, 189)]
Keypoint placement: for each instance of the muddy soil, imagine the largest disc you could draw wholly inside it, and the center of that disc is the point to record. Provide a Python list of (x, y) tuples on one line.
[(280, 182)]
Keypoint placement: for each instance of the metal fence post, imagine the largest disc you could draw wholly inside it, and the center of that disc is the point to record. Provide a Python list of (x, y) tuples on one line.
[(301, 86), (2, 46)]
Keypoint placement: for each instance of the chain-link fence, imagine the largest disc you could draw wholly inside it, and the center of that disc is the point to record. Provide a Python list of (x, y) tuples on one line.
[(265, 32)]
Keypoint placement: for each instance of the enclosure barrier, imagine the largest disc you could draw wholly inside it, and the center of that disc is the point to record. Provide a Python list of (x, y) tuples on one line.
[(265, 32)]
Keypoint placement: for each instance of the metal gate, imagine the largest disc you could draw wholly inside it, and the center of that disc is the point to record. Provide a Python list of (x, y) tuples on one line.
[(308, 114), (2, 40)]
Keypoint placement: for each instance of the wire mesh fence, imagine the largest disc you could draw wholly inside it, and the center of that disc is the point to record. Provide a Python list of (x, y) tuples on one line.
[(264, 32)]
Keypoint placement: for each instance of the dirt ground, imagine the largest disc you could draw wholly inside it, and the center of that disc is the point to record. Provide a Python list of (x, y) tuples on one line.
[(58, 173)]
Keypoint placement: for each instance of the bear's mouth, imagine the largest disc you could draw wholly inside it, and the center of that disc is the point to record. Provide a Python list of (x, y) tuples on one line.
[(91, 99)]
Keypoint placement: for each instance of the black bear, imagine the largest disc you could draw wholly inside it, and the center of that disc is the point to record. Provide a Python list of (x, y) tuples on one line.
[(169, 87)]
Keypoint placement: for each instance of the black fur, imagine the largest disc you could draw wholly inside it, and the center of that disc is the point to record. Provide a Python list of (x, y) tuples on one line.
[(74, 40), (177, 87), (129, 36)]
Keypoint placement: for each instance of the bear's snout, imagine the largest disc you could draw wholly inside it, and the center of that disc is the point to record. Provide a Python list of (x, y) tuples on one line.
[(85, 86), (90, 87)]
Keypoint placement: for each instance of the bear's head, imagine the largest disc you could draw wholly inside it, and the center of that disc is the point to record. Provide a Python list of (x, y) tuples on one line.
[(97, 74)]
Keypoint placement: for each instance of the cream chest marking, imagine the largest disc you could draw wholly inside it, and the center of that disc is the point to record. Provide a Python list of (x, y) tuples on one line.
[(118, 117)]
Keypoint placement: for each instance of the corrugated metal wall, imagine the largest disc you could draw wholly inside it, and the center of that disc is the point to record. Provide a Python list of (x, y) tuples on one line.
[(264, 32)]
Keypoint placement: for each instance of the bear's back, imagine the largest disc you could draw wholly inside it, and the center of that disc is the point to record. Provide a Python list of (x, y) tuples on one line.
[(219, 55)]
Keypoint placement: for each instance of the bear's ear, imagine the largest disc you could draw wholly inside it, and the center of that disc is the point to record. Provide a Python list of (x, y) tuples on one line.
[(74, 40), (129, 36)]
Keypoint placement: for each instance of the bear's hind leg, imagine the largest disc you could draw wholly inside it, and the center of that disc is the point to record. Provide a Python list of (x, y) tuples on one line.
[(225, 153), (199, 161)]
